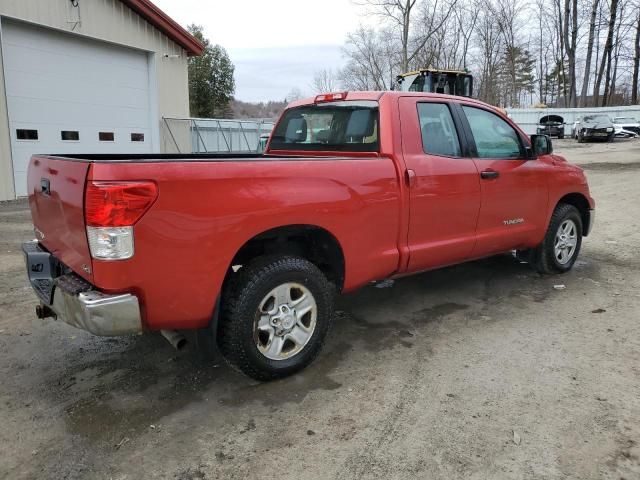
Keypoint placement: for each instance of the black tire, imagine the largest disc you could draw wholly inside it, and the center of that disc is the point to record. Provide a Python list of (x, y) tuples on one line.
[(560, 137), (611, 137), (580, 137), (240, 305), (543, 258)]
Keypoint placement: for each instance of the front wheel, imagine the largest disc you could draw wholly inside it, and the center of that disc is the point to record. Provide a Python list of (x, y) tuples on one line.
[(561, 245), (275, 317)]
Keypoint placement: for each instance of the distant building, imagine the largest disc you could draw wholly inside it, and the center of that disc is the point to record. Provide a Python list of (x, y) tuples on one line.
[(87, 76)]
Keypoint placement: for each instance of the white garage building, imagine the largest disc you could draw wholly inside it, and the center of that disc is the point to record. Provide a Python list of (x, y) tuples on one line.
[(87, 76)]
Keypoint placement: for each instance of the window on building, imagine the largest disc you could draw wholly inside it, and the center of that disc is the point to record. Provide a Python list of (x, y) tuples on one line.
[(106, 136), (26, 134), (70, 135), (439, 136), (137, 137)]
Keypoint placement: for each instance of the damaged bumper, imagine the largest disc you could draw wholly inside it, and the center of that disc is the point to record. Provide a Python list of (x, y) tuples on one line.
[(71, 299)]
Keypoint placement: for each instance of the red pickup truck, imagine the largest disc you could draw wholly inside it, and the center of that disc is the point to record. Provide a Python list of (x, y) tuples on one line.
[(251, 249)]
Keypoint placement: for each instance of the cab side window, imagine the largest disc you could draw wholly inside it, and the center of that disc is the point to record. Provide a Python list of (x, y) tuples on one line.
[(439, 136), (494, 137)]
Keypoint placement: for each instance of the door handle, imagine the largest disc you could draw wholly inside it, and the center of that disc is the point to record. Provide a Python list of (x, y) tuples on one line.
[(45, 186), (410, 177), (488, 174)]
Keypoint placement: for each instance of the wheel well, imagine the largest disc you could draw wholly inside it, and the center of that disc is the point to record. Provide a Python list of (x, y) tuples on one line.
[(310, 242), (580, 202)]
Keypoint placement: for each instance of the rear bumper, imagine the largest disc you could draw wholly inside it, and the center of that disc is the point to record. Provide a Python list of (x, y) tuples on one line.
[(97, 313), (551, 131), (72, 300)]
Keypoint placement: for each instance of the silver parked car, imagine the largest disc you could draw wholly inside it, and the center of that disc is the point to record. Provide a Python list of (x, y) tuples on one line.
[(626, 127)]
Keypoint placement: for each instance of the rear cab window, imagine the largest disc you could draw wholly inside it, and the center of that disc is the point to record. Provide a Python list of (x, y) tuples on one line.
[(439, 135), (343, 126)]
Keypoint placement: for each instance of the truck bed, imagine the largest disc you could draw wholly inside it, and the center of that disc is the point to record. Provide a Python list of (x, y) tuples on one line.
[(209, 206)]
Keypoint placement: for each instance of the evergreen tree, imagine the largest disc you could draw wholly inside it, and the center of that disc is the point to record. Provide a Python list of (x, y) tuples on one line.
[(211, 83)]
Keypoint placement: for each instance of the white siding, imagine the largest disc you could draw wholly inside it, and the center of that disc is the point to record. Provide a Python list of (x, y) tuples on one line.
[(109, 21), (55, 82)]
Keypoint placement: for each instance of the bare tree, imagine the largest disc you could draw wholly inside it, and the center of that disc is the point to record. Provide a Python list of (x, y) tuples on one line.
[(617, 47), (490, 42), (398, 12), (496, 41), (570, 42), (372, 60), (324, 81), (587, 64), (294, 94), (507, 15), (606, 57), (636, 62), (448, 46), (433, 14)]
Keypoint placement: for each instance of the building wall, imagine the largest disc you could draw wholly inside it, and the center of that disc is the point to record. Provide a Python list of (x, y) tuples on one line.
[(7, 191), (110, 21)]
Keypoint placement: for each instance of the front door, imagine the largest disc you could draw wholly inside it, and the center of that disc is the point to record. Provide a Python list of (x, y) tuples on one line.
[(514, 187), (444, 185)]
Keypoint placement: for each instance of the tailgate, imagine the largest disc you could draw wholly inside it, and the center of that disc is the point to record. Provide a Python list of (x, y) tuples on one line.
[(56, 197)]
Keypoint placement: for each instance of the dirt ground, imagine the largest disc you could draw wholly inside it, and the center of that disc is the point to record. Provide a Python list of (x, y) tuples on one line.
[(479, 371)]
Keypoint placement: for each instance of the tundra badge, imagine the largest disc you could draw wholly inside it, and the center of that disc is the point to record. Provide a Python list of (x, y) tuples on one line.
[(513, 221)]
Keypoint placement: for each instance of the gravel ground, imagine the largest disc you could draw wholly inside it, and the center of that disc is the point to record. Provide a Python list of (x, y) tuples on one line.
[(479, 371)]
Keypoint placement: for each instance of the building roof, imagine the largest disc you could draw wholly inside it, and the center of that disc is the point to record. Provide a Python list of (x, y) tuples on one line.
[(166, 25)]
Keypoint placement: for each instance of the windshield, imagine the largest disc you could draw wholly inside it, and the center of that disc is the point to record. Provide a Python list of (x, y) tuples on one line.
[(597, 118), (350, 126)]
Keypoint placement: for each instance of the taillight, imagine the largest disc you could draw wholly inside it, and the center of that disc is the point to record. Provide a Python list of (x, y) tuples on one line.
[(111, 210), (117, 204)]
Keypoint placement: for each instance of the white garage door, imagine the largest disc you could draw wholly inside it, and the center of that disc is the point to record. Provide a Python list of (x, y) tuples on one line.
[(70, 94)]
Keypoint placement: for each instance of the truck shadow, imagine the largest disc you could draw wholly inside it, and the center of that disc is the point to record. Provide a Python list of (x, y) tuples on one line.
[(129, 385)]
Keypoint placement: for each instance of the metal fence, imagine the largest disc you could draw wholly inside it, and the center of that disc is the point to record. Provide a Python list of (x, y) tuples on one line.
[(212, 135), (528, 118)]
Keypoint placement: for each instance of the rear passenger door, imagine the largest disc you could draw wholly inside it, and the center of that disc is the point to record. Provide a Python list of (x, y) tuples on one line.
[(514, 187), (444, 185)]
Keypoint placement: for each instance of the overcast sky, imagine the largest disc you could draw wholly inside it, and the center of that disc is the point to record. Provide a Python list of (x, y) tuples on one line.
[(275, 45)]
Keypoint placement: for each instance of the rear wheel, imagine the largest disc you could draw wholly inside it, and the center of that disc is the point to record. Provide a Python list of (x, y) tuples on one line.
[(275, 317), (561, 245)]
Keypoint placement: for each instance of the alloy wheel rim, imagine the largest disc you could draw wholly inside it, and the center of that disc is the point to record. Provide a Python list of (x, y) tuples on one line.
[(566, 242), (285, 321)]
